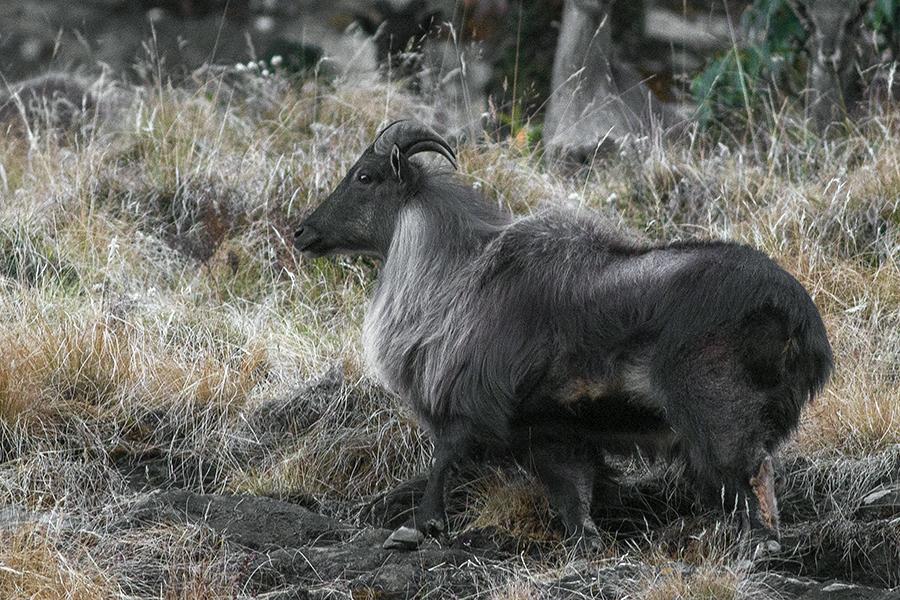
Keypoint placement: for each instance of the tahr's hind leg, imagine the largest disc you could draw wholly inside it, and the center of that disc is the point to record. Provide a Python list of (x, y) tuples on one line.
[(726, 432), (568, 480), (763, 485), (739, 485)]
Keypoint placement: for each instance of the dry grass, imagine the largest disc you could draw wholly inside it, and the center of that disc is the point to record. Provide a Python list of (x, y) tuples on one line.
[(150, 300), (32, 567), (355, 448), (174, 562), (516, 590), (703, 584), (511, 503)]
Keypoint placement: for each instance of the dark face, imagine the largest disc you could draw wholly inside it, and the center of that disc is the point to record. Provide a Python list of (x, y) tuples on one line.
[(359, 216)]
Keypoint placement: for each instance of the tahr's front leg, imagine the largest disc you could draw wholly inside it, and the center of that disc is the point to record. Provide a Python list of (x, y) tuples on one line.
[(429, 517)]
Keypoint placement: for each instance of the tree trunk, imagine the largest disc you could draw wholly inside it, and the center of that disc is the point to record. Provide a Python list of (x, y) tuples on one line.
[(596, 98), (835, 40)]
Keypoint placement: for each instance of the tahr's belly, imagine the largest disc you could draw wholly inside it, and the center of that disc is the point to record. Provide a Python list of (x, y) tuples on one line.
[(620, 412)]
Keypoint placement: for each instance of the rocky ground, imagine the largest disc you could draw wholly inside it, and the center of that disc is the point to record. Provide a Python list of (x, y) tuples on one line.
[(284, 550), (840, 535)]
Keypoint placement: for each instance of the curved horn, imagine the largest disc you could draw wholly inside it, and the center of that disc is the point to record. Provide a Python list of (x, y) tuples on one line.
[(412, 137)]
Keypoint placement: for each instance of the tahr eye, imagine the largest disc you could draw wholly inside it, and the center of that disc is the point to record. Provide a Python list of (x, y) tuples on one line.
[(364, 178)]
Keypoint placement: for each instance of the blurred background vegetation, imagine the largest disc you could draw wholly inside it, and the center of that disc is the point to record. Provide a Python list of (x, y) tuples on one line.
[(489, 64)]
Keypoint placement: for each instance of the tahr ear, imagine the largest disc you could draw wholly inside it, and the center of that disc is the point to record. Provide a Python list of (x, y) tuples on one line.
[(399, 164)]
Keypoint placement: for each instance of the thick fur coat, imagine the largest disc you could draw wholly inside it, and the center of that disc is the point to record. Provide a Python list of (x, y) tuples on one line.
[(556, 338), (555, 319)]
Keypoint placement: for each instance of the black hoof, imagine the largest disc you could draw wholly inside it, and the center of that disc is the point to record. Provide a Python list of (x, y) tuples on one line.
[(587, 539)]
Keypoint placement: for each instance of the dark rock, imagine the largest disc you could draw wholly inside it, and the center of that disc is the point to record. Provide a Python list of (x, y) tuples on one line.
[(293, 552), (880, 504), (812, 487), (254, 522), (862, 553), (787, 586), (808, 589), (370, 569)]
